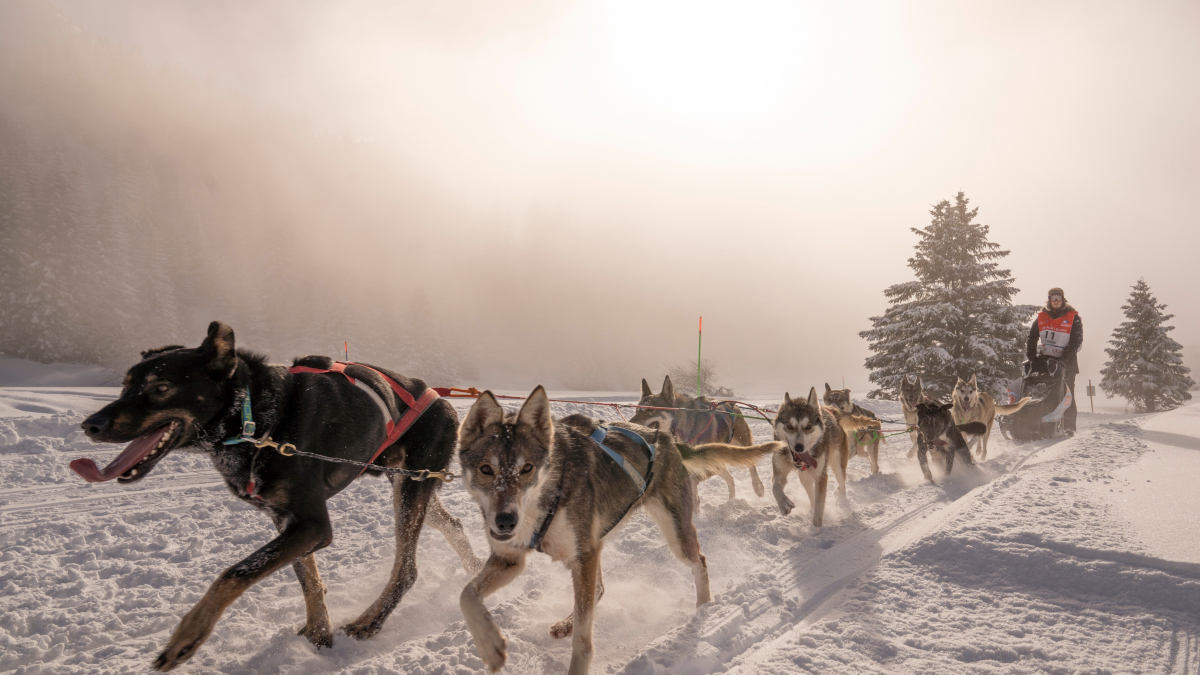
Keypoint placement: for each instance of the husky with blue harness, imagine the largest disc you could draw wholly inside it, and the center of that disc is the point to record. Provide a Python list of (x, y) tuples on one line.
[(561, 487)]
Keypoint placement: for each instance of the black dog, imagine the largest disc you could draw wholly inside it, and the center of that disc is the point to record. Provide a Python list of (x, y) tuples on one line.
[(196, 399), (936, 427)]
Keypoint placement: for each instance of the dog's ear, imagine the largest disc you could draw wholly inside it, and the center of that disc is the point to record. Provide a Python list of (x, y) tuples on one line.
[(919, 382), (219, 348), (973, 428), (910, 378), (944, 407), (535, 417), (786, 399), (974, 383), (668, 390), (646, 393), (159, 350), (485, 414), (813, 402), (828, 388)]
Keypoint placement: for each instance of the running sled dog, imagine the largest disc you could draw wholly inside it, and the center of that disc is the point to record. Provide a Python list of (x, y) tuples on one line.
[(213, 398), (815, 438), (972, 405), (700, 422), (560, 487), (937, 432), (912, 394), (864, 441)]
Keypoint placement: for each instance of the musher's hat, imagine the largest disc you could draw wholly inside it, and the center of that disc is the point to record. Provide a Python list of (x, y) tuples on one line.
[(1056, 291)]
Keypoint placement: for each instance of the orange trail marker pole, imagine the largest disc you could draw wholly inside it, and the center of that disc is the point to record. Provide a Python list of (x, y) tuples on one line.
[(346, 346), (699, 344)]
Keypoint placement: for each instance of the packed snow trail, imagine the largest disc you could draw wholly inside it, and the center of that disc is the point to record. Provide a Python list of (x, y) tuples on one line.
[(1026, 564)]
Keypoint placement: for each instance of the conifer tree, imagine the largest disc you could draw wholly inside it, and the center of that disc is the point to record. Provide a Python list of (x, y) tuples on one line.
[(957, 318), (1147, 366)]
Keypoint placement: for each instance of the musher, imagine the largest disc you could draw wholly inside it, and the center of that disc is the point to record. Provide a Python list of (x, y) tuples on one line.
[(1060, 331)]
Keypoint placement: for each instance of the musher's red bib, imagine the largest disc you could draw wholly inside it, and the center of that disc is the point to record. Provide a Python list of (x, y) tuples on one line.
[(1055, 333)]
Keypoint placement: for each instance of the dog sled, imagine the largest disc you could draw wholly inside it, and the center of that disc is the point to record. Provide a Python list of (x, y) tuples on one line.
[(1044, 381)]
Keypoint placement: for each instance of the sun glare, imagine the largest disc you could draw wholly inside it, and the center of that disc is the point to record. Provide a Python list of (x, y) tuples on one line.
[(712, 68)]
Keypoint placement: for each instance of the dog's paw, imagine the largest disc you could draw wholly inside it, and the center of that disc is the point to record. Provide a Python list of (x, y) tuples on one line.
[(563, 628), (493, 648), (191, 633), (757, 483), (786, 505), (361, 630), (320, 635)]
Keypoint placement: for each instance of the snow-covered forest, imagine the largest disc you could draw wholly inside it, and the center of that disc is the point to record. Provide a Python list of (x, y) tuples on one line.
[(132, 196)]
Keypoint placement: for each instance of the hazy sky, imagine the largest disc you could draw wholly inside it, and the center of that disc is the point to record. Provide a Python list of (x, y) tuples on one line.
[(759, 163)]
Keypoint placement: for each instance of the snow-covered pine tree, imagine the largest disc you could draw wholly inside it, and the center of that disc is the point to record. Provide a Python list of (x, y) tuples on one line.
[(1147, 366), (957, 319)]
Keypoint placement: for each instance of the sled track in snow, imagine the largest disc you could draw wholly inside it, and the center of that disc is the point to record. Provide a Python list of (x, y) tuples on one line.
[(804, 594)]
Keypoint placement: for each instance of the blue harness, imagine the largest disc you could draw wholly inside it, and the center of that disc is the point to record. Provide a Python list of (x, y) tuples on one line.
[(599, 436)]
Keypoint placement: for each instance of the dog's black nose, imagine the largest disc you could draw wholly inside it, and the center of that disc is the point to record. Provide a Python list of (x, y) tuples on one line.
[(506, 521), (96, 424)]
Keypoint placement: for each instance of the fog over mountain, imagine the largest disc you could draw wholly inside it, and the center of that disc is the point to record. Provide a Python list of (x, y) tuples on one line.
[(506, 194)]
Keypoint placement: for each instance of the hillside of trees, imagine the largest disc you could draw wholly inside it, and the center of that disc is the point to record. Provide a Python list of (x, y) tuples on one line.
[(137, 203)]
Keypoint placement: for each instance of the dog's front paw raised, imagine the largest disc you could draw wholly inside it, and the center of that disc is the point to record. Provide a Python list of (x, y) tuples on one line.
[(493, 648), (192, 632), (320, 635)]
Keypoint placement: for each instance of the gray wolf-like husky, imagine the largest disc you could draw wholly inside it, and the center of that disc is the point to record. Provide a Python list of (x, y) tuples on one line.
[(551, 486), (937, 431), (815, 438), (912, 394), (972, 405), (700, 422), (869, 438)]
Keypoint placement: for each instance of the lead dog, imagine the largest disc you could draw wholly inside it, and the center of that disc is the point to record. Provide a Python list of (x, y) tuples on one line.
[(700, 422), (868, 438), (972, 405), (815, 438), (195, 399), (551, 486)]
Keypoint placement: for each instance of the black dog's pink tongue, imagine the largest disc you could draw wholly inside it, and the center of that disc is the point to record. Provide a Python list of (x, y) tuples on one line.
[(131, 455)]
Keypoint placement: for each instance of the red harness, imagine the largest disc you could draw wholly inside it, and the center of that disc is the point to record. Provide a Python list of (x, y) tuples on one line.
[(416, 407)]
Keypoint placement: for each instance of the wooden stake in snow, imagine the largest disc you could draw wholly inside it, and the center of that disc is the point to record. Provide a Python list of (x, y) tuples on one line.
[(1091, 395)]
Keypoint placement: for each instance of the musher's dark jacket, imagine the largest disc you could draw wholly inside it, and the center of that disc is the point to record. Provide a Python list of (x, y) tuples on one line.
[(1070, 356)]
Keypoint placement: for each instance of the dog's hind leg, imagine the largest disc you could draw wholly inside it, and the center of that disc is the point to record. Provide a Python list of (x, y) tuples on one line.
[(873, 455), (316, 628), (756, 482), (839, 466), (410, 499), (673, 516), (452, 529), (780, 468), (563, 628), (728, 478)]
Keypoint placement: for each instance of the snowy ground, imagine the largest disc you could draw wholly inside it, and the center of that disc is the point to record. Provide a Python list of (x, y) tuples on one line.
[(1071, 556)]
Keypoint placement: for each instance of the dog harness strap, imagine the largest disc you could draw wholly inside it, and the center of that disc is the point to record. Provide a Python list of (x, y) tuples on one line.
[(539, 535), (601, 434), (416, 406), (247, 423)]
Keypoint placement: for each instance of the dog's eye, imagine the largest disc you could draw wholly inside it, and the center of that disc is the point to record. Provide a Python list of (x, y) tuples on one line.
[(162, 388), (808, 427), (653, 425), (790, 427), (486, 470), (527, 468)]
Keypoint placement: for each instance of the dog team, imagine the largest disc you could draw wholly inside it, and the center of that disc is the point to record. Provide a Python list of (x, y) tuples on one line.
[(286, 440)]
